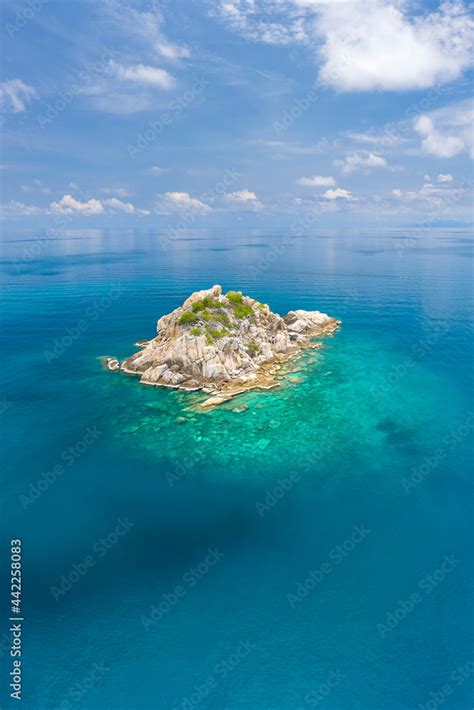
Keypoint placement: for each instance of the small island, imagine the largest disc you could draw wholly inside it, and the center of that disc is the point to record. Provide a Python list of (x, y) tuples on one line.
[(223, 344)]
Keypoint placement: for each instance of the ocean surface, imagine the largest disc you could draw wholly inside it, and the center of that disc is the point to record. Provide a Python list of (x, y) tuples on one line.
[(314, 550)]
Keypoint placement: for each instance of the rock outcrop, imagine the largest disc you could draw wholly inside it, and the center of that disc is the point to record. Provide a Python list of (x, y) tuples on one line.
[(224, 344)]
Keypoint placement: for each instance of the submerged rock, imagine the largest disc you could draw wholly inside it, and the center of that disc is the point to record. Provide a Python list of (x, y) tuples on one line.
[(224, 345), (112, 364), (242, 408)]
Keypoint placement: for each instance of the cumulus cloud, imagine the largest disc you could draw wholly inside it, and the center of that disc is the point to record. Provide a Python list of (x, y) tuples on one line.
[(361, 161), (442, 177), (142, 74), (447, 131), (363, 46), (126, 207), (15, 95), (337, 194), (172, 202), (69, 205), (316, 181), (243, 198), (375, 44)]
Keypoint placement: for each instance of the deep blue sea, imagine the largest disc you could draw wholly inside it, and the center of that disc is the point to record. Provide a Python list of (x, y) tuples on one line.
[(312, 551)]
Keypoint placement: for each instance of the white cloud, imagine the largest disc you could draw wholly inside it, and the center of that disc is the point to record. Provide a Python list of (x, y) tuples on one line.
[(171, 51), (19, 209), (338, 193), (316, 181), (146, 27), (375, 44), (171, 202), (384, 140), (156, 170), (126, 207), (361, 161), (142, 74), (363, 45), (244, 198), (253, 21), (447, 131), (69, 205), (442, 177), (435, 196), (15, 95)]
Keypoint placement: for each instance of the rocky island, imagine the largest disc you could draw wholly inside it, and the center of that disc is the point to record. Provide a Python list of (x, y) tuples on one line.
[(223, 344)]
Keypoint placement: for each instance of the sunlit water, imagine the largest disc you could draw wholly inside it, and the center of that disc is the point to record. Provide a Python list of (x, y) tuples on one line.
[(313, 550)]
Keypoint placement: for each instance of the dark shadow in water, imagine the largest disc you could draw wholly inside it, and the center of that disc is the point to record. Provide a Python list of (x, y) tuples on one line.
[(173, 530), (399, 435)]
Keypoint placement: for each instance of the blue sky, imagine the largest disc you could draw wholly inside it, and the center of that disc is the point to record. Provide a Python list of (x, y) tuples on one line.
[(267, 114)]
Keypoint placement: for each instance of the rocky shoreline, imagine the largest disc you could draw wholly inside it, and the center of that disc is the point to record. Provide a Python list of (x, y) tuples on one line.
[(223, 344)]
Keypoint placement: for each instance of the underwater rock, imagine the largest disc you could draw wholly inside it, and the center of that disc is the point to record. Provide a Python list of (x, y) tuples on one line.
[(242, 408), (112, 364), (224, 345)]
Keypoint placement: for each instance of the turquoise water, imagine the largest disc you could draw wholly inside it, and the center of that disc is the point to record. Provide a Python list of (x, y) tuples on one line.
[(314, 550)]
